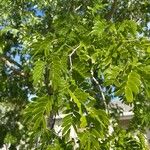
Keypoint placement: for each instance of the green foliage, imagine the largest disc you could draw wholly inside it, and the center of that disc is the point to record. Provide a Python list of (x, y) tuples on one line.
[(75, 57), (38, 72), (37, 111), (132, 86), (10, 139)]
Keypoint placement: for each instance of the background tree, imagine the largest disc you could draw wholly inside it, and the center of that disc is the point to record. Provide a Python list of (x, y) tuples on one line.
[(74, 57)]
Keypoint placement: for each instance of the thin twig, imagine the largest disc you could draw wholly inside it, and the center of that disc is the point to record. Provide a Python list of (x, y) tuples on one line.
[(101, 90), (70, 57)]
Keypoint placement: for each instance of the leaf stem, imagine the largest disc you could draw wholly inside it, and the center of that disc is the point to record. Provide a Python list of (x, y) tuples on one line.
[(70, 57)]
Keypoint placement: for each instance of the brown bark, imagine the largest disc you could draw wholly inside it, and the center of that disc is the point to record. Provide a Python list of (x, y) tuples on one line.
[(51, 118)]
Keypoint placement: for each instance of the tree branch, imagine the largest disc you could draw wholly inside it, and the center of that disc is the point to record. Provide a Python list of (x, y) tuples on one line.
[(100, 90), (51, 119), (11, 64), (47, 82), (70, 56)]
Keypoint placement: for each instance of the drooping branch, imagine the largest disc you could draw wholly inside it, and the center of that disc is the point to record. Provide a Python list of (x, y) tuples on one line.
[(100, 90), (12, 65)]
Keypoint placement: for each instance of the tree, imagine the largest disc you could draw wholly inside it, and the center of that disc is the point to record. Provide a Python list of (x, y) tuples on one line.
[(74, 58)]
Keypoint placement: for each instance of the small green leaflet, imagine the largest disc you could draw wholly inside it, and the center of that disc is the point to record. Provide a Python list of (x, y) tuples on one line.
[(148, 49), (1, 51), (75, 100), (38, 71), (98, 27), (66, 124), (132, 86), (83, 122), (128, 94)]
